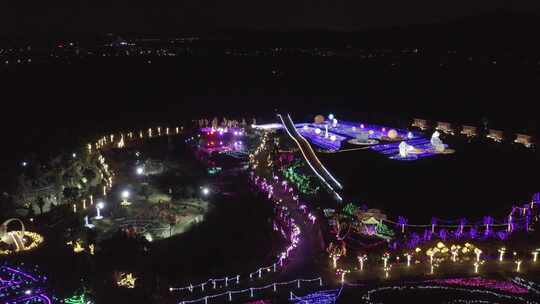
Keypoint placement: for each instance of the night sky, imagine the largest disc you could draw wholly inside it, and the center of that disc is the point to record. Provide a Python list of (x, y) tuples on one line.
[(180, 16)]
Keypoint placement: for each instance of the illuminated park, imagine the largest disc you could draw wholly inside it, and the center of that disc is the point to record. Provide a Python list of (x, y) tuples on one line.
[(323, 210)]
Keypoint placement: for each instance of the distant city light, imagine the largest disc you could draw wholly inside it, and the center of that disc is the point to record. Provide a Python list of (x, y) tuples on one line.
[(24, 164), (140, 170), (74, 155)]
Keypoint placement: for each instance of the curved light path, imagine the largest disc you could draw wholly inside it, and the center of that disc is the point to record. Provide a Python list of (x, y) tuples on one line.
[(294, 138), (332, 178)]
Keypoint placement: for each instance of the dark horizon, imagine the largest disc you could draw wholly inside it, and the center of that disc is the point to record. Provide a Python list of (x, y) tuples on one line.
[(82, 18)]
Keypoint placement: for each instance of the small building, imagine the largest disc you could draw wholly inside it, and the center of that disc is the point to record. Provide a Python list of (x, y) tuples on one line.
[(422, 124), (524, 139), (469, 131), (496, 135), (445, 127)]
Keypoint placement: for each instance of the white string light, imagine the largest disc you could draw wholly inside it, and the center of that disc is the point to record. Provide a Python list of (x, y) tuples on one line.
[(251, 291)]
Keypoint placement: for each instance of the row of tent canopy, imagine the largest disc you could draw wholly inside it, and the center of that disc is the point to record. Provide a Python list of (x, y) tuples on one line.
[(473, 131)]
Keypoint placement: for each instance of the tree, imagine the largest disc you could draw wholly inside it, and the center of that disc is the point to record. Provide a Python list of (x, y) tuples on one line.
[(72, 193), (40, 203), (190, 191)]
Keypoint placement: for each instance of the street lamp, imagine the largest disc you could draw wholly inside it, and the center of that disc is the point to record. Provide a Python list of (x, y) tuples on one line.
[(99, 206), (140, 170), (205, 191), (125, 196)]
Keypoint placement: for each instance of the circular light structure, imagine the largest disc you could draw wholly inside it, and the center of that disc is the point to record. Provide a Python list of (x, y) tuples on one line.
[(392, 134), (125, 194), (317, 131), (140, 170), (19, 240), (24, 164), (331, 116), (319, 119), (333, 138), (100, 205)]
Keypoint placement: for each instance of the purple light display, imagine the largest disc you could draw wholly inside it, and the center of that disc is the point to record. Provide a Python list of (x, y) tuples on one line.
[(333, 137), (19, 286), (518, 220), (319, 297), (330, 141), (223, 131)]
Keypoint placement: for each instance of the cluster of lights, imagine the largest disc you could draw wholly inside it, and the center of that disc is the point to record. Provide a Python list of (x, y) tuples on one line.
[(221, 131), (127, 280), (325, 140), (109, 141), (78, 247), (304, 183), (262, 148), (77, 299)]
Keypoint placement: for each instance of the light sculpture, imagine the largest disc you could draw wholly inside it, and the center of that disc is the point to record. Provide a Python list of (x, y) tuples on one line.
[(501, 254), (518, 265), (125, 196), (361, 260)]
